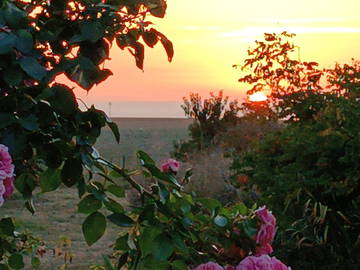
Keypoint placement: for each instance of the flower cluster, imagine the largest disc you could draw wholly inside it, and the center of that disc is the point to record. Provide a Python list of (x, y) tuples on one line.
[(263, 262), (6, 174), (170, 166), (264, 238)]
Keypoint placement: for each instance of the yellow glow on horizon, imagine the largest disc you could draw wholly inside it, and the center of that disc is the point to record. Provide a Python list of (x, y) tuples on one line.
[(258, 97), (210, 36)]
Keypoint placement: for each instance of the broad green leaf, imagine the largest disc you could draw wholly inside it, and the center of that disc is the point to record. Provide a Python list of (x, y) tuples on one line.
[(3, 267), (7, 42), (163, 248), (91, 30), (50, 180), (32, 67), (113, 206), (89, 204), (94, 227), (179, 265), (14, 16), (7, 119), (146, 240), (121, 220), (116, 190), (7, 227), (71, 172), (63, 99), (249, 227), (108, 264), (145, 158), (115, 130), (24, 42), (35, 262), (16, 261), (29, 122), (13, 75)]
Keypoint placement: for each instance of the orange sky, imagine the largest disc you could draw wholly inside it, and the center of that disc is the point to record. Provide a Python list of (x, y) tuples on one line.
[(210, 36)]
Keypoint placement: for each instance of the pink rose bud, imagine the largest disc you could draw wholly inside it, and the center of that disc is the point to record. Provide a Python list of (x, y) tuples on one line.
[(171, 165)]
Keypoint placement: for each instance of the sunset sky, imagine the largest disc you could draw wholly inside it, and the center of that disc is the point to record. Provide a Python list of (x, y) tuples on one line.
[(209, 37)]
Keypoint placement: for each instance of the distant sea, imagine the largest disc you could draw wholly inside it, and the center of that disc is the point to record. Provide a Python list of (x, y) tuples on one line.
[(141, 109)]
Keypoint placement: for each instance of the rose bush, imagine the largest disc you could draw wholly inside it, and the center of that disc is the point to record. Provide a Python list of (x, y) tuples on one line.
[(6, 174)]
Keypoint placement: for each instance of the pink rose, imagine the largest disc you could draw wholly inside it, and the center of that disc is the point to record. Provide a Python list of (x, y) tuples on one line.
[(264, 249), (171, 165), (209, 266), (267, 231), (6, 166), (9, 187), (263, 262), (2, 191)]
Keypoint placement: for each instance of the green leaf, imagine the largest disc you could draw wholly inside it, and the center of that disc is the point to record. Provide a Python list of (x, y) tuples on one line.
[(91, 30), (63, 99), (3, 267), (13, 75), (220, 221), (163, 247), (7, 227), (108, 264), (89, 204), (16, 261), (32, 67), (146, 240), (157, 8), (24, 42), (115, 130), (211, 204), (113, 206), (179, 265), (71, 172), (145, 158), (116, 190), (29, 122), (94, 227), (7, 119), (35, 262), (7, 42), (249, 227), (121, 220), (50, 180), (14, 16), (167, 44), (29, 204)]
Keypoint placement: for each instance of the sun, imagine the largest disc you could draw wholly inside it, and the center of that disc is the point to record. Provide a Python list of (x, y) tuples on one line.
[(257, 97)]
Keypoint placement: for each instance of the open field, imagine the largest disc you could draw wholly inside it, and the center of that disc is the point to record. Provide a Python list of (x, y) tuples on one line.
[(154, 136)]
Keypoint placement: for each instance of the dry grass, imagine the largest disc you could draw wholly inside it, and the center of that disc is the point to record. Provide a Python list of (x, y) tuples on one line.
[(56, 216), (211, 174)]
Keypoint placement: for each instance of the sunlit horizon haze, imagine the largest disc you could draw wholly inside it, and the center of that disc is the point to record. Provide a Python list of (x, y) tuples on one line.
[(209, 37)]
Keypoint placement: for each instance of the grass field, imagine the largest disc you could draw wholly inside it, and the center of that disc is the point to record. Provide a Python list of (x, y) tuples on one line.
[(56, 216)]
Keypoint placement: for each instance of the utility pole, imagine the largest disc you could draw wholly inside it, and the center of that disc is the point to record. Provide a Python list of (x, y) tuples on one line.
[(110, 108)]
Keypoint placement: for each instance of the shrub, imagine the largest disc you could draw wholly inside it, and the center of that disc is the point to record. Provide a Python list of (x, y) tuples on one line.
[(211, 117), (308, 171)]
